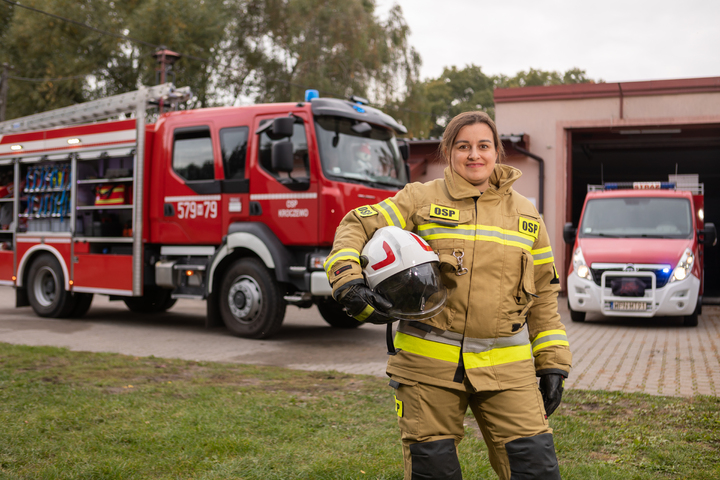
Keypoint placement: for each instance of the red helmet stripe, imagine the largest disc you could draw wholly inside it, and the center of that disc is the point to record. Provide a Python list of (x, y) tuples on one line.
[(388, 260), (422, 243)]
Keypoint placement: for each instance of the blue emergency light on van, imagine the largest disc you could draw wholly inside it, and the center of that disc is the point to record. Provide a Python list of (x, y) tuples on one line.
[(639, 185), (310, 94)]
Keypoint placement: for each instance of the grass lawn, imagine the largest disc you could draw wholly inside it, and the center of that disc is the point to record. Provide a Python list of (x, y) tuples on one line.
[(70, 415)]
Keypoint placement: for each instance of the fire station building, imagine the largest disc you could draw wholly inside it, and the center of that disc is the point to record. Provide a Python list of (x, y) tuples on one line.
[(565, 137)]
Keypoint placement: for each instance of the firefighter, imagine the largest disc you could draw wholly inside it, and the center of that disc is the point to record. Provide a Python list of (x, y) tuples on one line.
[(499, 328)]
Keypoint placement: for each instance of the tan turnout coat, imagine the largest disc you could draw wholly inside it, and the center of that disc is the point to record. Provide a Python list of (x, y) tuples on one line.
[(500, 325)]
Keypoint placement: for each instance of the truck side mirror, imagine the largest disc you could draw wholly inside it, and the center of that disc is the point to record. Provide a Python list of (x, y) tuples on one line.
[(282, 156), (709, 234), (569, 233), (404, 150), (282, 127)]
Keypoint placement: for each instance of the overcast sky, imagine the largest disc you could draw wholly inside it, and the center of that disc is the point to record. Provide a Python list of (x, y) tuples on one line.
[(612, 40)]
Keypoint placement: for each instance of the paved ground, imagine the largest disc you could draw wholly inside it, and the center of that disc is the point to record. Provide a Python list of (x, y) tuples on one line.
[(656, 356)]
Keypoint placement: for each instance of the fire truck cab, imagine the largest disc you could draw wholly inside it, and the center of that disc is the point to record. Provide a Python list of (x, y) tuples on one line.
[(638, 251), (237, 206)]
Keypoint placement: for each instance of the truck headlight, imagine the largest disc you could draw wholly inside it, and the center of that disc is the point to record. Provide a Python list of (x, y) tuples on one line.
[(580, 266), (315, 262), (684, 266)]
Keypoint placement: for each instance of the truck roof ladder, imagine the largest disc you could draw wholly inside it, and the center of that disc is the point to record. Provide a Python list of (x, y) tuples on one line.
[(104, 108), (97, 109)]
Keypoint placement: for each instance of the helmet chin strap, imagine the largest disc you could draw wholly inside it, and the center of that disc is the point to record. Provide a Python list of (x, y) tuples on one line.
[(389, 340)]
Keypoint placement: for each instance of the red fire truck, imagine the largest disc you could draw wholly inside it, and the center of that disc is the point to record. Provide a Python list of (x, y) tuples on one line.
[(638, 251), (237, 205)]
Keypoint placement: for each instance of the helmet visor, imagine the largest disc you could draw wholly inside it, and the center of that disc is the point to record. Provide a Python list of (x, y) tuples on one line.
[(416, 293)]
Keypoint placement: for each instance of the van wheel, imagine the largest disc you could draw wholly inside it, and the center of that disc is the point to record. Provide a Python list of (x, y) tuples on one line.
[(251, 302), (154, 300), (333, 313), (576, 316), (692, 319), (46, 288)]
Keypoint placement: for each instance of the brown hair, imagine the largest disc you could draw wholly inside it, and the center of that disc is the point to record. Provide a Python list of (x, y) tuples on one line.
[(463, 120)]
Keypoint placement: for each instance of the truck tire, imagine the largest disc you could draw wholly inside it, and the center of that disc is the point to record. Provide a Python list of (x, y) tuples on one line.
[(576, 316), (154, 300), (46, 288), (333, 313), (82, 304), (251, 302)]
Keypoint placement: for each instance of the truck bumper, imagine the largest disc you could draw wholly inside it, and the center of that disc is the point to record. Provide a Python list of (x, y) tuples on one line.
[(674, 299)]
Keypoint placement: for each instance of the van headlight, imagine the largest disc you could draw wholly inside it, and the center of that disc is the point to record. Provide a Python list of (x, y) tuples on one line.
[(684, 266), (580, 266)]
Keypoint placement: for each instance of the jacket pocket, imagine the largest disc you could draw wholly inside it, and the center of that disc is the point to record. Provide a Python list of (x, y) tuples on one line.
[(525, 290)]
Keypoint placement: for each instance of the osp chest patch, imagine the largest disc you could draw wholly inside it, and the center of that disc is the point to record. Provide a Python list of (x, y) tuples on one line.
[(446, 213), (365, 211), (529, 227)]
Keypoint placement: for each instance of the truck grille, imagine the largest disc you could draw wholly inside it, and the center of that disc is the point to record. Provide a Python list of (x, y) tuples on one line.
[(662, 275)]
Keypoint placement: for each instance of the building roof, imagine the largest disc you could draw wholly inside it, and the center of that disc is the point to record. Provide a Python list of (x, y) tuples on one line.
[(602, 90)]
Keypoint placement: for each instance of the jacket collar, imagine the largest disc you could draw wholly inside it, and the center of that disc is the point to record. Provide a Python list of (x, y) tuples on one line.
[(501, 181)]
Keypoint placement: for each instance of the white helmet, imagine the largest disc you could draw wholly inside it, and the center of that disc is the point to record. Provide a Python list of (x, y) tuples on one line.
[(403, 268)]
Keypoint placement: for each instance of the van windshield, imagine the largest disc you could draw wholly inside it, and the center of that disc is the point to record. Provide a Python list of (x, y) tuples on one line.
[(637, 217), (371, 157)]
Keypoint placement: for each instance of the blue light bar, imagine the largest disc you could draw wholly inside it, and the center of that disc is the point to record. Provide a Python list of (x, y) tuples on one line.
[(640, 186), (310, 94)]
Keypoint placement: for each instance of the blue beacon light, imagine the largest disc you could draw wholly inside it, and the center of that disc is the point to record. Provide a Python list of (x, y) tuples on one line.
[(310, 94)]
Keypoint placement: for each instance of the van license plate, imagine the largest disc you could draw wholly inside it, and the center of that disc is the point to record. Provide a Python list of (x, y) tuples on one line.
[(641, 306)]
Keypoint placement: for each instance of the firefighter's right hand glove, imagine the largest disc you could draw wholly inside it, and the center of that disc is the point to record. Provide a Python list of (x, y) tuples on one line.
[(363, 304)]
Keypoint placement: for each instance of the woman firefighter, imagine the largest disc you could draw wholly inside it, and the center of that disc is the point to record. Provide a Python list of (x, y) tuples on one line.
[(499, 328)]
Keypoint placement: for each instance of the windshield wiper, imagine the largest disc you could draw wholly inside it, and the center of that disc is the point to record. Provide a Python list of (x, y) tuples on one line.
[(606, 235)]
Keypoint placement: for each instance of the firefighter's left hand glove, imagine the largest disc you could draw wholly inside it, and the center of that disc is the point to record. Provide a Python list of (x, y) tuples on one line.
[(363, 304), (551, 387)]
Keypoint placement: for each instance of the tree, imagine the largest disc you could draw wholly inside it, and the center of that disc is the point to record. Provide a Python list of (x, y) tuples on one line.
[(535, 77)]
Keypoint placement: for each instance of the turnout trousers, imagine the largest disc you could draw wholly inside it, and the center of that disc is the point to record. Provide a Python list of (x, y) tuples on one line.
[(512, 422)]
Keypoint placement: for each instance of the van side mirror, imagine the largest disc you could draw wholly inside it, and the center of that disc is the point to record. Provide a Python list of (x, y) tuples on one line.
[(282, 127), (404, 150), (709, 234), (569, 233), (282, 156)]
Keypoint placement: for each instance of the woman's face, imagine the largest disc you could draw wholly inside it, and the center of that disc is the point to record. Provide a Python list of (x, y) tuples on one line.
[(473, 154)]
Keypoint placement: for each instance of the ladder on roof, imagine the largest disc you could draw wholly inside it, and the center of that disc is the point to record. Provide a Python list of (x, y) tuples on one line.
[(97, 109)]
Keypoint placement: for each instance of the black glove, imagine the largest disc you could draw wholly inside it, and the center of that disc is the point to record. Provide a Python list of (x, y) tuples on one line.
[(551, 387), (363, 304)]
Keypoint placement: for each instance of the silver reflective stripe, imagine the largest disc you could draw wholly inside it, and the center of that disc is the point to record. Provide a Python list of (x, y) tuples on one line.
[(447, 231), (541, 256), (479, 345), (436, 335), (506, 236), (548, 338)]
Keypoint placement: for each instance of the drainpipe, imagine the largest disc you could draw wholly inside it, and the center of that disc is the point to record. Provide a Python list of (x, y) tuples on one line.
[(541, 164)]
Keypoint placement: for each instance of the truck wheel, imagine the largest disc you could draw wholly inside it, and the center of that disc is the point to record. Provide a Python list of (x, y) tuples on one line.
[(154, 300), (576, 316), (46, 288), (692, 320), (333, 313), (251, 303), (82, 304)]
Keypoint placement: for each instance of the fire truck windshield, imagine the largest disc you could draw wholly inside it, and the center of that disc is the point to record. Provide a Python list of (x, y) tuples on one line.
[(369, 157), (637, 217)]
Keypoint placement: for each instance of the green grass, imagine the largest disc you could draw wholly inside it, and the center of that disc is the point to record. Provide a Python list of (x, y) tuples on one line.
[(70, 415)]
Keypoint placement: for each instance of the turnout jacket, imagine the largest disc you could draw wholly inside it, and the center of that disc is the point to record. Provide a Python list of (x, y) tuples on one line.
[(500, 324)]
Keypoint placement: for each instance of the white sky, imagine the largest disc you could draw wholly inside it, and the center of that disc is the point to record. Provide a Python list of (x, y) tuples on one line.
[(612, 40)]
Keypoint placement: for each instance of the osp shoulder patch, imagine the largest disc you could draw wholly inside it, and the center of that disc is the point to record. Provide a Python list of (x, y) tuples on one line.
[(366, 211), (529, 227), (446, 213)]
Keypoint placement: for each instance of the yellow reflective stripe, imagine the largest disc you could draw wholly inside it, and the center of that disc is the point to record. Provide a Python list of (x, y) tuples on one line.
[(550, 343), (342, 254), (502, 241), (543, 261), (497, 356), (541, 250), (392, 216), (397, 212), (427, 348), (362, 316)]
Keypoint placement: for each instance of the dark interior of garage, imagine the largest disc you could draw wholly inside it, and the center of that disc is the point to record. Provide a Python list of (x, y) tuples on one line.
[(651, 154)]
